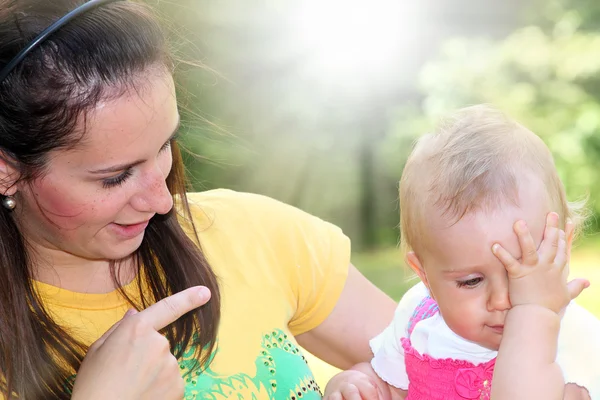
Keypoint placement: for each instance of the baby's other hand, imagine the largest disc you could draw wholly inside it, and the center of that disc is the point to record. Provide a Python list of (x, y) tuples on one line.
[(540, 277), (575, 392), (351, 385)]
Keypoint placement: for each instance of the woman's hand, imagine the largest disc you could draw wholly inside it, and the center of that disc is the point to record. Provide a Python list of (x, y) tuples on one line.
[(132, 360)]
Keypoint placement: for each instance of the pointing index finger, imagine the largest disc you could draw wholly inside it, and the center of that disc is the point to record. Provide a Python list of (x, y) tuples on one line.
[(170, 309)]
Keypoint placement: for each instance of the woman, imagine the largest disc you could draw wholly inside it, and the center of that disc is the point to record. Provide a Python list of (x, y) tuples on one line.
[(95, 221)]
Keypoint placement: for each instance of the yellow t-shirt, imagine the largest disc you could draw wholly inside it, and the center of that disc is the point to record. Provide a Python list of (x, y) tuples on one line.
[(280, 273)]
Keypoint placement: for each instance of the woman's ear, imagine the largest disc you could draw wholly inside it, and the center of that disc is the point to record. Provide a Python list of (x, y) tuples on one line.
[(9, 175)]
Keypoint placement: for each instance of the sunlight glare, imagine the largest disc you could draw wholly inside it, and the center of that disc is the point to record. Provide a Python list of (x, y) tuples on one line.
[(347, 37)]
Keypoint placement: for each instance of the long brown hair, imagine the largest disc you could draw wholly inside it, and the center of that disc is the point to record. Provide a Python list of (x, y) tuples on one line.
[(41, 100)]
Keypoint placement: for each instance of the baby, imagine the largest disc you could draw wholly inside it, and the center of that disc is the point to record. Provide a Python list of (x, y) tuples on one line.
[(485, 321)]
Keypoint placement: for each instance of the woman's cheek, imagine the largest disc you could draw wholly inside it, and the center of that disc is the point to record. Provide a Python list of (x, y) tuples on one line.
[(63, 209)]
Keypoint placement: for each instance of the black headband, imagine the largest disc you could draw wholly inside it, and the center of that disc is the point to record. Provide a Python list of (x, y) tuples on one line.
[(49, 31)]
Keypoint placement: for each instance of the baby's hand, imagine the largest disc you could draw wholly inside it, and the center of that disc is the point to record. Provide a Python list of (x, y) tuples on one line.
[(351, 385), (540, 277)]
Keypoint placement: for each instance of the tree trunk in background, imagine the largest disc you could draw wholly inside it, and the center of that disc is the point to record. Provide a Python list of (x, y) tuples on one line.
[(367, 212), (372, 132)]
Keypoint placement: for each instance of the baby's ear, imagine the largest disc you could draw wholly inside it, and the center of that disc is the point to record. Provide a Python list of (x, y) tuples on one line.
[(9, 175), (415, 264)]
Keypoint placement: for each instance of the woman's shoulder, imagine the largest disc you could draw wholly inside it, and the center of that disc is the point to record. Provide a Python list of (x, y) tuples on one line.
[(222, 194), (236, 202), (267, 227), (220, 207)]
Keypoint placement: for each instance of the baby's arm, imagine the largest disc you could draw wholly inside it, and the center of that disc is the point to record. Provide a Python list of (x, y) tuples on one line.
[(388, 359), (526, 366)]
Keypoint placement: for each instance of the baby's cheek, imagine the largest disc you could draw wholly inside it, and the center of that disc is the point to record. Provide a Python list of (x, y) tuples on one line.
[(457, 324), (461, 320)]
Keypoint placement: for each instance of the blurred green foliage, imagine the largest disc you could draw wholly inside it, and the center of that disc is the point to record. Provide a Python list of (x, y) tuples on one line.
[(260, 116), (547, 80)]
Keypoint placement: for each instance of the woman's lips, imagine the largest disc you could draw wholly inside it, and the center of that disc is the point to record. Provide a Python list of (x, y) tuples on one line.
[(129, 231)]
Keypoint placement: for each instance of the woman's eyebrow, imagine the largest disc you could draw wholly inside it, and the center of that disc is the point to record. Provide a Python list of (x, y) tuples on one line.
[(121, 167)]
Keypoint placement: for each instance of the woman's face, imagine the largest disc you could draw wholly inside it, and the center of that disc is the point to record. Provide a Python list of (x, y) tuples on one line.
[(94, 201)]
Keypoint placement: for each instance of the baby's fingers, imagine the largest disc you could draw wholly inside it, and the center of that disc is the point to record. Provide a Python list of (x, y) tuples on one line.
[(550, 241), (510, 263), (367, 389), (528, 248), (334, 396), (576, 286), (569, 232), (350, 392), (562, 256)]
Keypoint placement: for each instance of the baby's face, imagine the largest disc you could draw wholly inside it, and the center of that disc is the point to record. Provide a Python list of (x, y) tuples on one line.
[(466, 279)]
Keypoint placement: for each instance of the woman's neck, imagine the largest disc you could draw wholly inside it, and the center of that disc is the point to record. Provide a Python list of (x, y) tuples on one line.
[(69, 272)]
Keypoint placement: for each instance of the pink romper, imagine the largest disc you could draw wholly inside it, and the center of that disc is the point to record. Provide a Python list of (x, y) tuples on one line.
[(443, 379)]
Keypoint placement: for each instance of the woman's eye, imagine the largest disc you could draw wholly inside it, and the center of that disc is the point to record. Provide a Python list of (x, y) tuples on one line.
[(165, 146), (121, 178), (469, 283), (117, 180)]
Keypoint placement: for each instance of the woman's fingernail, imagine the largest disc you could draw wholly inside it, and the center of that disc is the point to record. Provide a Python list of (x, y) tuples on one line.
[(203, 292), (495, 248)]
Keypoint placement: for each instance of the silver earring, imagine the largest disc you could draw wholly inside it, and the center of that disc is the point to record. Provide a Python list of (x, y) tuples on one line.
[(9, 202)]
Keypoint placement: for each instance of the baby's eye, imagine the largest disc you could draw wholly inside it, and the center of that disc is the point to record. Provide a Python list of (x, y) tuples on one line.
[(469, 283)]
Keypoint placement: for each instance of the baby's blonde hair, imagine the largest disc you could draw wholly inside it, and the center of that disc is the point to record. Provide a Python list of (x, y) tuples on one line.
[(472, 162)]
